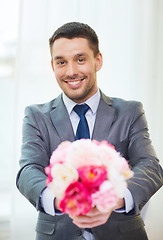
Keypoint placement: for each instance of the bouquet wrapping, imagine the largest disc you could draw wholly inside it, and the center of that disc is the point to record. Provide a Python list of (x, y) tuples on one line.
[(87, 173)]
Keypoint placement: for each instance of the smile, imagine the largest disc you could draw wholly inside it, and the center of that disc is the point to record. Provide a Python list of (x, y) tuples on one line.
[(76, 82)]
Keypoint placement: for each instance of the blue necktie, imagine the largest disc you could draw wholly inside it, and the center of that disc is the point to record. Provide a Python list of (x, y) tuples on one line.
[(82, 129)]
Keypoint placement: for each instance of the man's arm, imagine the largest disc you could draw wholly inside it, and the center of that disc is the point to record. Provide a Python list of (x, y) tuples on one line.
[(148, 174), (34, 158)]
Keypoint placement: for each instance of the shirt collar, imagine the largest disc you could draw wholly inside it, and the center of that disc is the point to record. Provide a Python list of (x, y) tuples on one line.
[(92, 102)]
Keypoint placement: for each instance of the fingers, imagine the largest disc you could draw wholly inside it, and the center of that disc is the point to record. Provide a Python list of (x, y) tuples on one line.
[(93, 219), (56, 203), (90, 224), (93, 212), (120, 203)]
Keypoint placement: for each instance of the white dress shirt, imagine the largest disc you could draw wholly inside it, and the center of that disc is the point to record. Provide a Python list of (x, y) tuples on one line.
[(47, 197)]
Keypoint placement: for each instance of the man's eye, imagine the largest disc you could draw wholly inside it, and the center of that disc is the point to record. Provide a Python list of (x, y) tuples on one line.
[(81, 60), (61, 63)]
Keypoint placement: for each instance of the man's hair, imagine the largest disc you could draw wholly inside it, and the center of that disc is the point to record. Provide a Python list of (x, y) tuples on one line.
[(76, 30)]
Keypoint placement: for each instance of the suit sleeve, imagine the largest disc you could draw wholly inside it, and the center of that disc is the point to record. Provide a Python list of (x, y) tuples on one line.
[(148, 174), (34, 158)]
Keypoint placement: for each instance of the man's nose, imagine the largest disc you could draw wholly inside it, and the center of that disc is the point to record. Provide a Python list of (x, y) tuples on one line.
[(71, 70)]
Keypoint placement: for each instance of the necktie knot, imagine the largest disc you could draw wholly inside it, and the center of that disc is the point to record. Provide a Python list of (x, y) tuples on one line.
[(81, 109)]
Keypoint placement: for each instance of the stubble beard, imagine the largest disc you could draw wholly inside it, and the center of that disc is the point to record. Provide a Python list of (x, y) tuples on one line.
[(82, 97)]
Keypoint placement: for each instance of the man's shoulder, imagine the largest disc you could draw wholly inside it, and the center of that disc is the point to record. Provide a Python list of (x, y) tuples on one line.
[(119, 102), (43, 107), (127, 107), (121, 105)]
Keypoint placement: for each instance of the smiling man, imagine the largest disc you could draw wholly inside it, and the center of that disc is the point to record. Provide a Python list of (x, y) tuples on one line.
[(75, 65), (75, 60)]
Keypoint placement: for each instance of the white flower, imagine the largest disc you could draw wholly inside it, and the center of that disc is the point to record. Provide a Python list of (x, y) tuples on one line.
[(107, 155), (63, 175), (83, 152), (118, 182)]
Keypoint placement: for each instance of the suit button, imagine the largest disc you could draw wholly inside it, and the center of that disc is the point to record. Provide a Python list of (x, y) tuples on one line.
[(79, 232)]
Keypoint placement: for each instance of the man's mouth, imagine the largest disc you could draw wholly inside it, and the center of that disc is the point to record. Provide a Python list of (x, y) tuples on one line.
[(75, 82)]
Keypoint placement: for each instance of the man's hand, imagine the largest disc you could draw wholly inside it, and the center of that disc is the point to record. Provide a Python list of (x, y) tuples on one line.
[(56, 203), (120, 204), (94, 217)]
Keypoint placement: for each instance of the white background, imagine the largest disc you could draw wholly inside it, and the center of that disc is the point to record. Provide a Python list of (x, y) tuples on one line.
[(131, 41)]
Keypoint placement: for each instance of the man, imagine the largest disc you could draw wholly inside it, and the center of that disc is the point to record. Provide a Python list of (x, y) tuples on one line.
[(75, 60)]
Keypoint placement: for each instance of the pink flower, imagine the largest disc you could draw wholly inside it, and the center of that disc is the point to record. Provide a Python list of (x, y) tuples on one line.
[(106, 198), (92, 176), (77, 200), (87, 173), (83, 152), (104, 142), (59, 155)]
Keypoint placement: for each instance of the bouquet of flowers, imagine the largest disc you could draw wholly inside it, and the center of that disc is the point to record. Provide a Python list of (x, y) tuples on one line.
[(87, 173)]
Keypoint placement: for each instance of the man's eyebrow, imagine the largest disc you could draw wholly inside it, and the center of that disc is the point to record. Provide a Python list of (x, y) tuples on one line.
[(81, 54), (57, 58), (76, 55)]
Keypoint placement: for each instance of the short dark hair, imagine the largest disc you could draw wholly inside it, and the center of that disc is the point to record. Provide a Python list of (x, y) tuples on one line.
[(77, 30)]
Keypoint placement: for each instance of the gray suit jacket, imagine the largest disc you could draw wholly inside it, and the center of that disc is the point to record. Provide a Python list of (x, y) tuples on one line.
[(123, 124)]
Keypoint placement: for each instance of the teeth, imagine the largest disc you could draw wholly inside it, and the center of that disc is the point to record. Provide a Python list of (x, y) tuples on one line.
[(74, 83)]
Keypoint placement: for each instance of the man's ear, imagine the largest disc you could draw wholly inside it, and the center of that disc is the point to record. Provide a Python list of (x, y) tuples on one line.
[(99, 61), (52, 64)]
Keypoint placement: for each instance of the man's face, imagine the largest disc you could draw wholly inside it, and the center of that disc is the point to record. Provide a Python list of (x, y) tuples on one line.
[(75, 67)]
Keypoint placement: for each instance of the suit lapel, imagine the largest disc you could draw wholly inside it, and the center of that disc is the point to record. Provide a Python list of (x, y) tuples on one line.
[(61, 120), (104, 118)]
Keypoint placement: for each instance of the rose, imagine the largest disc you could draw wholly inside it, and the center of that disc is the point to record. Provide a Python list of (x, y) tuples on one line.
[(61, 176), (77, 200), (125, 169), (83, 152), (108, 155), (104, 143), (59, 155), (86, 173), (106, 198), (110, 158), (118, 182), (92, 176)]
